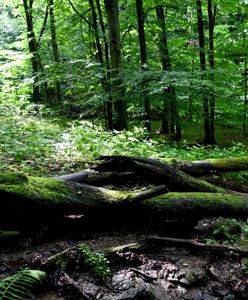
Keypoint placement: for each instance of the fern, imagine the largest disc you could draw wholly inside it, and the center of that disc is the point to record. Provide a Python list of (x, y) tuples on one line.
[(19, 285)]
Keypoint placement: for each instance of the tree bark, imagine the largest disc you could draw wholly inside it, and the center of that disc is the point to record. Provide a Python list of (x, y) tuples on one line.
[(40, 91), (109, 102), (203, 167), (33, 49), (202, 55), (170, 119), (143, 58), (120, 105), (55, 48), (211, 24)]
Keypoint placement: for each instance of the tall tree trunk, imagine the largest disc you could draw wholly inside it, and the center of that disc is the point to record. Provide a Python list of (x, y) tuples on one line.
[(211, 24), (100, 57), (203, 69), (170, 110), (109, 104), (143, 58), (55, 49), (245, 100), (120, 105), (40, 91), (99, 53), (33, 49)]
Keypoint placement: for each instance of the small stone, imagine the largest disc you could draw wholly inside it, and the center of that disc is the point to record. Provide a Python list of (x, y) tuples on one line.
[(209, 297), (184, 281), (229, 297), (198, 296), (221, 292)]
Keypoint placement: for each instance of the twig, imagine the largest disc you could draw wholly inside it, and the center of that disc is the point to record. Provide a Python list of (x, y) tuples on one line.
[(154, 7), (143, 274), (193, 244), (79, 14), (43, 25)]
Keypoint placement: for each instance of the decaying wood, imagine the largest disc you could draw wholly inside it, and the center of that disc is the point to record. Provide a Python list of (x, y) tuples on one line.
[(171, 194), (203, 167)]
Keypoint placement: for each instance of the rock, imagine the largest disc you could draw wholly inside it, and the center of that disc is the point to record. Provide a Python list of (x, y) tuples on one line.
[(197, 277), (184, 281), (123, 280), (198, 296), (221, 292), (209, 297)]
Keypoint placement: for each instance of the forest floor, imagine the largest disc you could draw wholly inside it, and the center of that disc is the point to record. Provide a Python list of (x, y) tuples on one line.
[(155, 272), (42, 147)]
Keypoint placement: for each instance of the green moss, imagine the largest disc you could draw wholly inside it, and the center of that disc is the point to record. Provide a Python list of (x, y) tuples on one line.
[(36, 188), (13, 178), (8, 234), (117, 196), (236, 162), (173, 201)]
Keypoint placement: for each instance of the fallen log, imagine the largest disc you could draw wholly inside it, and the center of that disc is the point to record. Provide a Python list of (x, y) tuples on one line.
[(33, 196), (173, 194), (217, 165), (194, 168), (157, 172)]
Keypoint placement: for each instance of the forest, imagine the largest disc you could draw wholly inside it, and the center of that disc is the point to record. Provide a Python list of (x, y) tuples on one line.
[(123, 149)]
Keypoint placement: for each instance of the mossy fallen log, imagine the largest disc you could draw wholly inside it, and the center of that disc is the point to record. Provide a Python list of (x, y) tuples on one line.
[(24, 197), (171, 194), (216, 165), (157, 172), (124, 168)]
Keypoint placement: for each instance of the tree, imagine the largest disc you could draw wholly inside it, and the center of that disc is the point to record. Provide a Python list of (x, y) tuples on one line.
[(33, 49), (170, 110), (100, 57), (55, 49), (143, 58), (33, 45), (120, 105), (203, 69), (211, 23)]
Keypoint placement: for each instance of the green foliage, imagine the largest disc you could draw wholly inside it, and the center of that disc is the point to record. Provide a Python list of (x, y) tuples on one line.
[(92, 140), (229, 231), (244, 269), (97, 262), (18, 286), (223, 229)]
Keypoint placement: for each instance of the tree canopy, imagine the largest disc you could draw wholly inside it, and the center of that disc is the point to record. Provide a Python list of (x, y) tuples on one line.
[(165, 60)]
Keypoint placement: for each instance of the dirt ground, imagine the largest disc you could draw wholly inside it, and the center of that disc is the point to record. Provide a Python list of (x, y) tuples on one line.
[(157, 272)]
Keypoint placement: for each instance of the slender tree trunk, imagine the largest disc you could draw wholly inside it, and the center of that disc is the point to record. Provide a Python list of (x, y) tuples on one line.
[(99, 53), (100, 57), (55, 49), (109, 102), (120, 105), (33, 49), (143, 58), (211, 24), (245, 100), (203, 69), (170, 110)]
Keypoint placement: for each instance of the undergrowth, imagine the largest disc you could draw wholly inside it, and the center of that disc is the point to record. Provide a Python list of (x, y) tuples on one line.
[(33, 142)]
